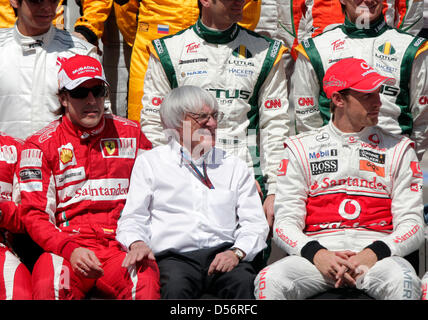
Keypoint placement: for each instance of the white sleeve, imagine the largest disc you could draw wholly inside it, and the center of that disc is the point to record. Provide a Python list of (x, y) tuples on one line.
[(156, 87), (134, 222), (406, 206), (274, 119), (304, 95), (419, 103), (253, 229), (290, 205)]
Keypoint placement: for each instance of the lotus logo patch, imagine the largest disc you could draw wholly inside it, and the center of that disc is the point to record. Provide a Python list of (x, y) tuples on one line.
[(242, 52), (387, 48)]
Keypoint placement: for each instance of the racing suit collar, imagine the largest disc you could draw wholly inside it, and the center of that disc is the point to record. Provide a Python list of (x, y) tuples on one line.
[(30, 43), (375, 29), (83, 133), (216, 36), (348, 137)]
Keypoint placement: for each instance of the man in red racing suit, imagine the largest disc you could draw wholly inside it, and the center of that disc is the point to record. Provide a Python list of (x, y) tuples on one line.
[(15, 279), (74, 178)]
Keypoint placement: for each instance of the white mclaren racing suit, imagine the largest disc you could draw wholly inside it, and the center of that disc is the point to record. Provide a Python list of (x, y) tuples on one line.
[(346, 192), (391, 53), (28, 78), (244, 71)]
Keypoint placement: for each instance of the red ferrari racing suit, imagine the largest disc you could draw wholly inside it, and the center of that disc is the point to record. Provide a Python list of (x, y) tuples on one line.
[(346, 191), (15, 279), (73, 185)]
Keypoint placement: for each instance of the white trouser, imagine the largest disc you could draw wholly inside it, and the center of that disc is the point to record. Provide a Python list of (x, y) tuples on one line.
[(294, 277)]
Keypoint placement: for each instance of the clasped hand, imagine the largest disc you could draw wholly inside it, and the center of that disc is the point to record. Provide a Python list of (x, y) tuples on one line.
[(344, 267)]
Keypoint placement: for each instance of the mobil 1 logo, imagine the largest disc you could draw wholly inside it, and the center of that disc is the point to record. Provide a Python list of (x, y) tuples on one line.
[(325, 166)]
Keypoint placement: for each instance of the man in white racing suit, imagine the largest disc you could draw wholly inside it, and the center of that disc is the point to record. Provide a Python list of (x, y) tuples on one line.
[(349, 200), (391, 52), (243, 70), (28, 57)]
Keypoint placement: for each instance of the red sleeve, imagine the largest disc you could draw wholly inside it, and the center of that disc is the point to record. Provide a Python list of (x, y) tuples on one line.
[(38, 194)]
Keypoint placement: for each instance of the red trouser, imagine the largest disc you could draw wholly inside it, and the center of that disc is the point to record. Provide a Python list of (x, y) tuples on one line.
[(53, 277), (15, 279)]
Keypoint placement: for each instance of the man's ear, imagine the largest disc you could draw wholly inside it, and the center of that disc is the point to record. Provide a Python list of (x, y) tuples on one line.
[(63, 99), (337, 99), (14, 3)]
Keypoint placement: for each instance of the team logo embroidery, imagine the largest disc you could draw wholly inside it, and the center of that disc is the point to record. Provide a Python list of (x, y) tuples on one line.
[(416, 169), (242, 52), (387, 48), (110, 147), (282, 170)]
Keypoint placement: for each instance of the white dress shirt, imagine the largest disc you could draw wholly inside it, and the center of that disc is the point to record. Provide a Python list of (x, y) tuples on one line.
[(169, 207)]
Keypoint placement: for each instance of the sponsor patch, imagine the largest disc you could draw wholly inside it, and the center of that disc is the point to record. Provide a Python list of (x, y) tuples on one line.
[(325, 166), (31, 158), (8, 154), (366, 165), (282, 170), (322, 154), (273, 104), (30, 174), (94, 190), (71, 175), (416, 169), (373, 156), (119, 148), (66, 156)]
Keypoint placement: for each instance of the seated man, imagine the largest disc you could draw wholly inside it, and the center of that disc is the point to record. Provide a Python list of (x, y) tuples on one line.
[(74, 178), (15, 279), (349, 201), (194, 208)]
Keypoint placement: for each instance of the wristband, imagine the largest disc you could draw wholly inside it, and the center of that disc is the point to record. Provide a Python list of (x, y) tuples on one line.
[(310, 249), (380, 249)]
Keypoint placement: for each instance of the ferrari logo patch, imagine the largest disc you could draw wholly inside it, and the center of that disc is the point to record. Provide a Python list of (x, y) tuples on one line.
[(110, 147)]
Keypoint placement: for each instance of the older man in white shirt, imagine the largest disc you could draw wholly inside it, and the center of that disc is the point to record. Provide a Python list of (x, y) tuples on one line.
[(194, 208)]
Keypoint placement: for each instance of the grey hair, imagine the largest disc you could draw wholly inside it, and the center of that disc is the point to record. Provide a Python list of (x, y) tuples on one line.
[(182, 100)]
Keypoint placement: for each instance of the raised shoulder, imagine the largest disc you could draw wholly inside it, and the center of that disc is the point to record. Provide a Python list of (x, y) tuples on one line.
[(72, 43)]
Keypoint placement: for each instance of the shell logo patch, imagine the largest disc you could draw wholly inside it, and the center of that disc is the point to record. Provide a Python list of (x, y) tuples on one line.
[(66, 155)]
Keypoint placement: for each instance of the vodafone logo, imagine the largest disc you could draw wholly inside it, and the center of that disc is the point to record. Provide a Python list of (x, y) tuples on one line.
[(374, 138), (350, 209), (282, 170)]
